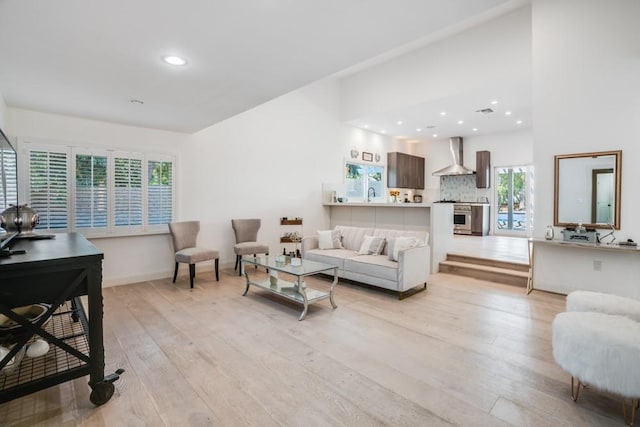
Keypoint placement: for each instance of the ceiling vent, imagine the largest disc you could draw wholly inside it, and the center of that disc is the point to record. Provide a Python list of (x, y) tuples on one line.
[(485, 111)]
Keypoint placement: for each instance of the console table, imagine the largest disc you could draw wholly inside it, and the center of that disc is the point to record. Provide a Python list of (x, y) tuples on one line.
[(563, 266), (56, 272)]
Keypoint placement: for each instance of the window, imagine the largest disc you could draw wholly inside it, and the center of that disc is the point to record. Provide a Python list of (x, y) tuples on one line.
[(514, 199), (127, 195), (160, 191), (98, 192), (8, 182), (48, 187), (364, 182), (91, 191)]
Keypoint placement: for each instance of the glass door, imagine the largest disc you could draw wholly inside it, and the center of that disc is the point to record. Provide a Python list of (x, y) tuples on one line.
[(514, 201)]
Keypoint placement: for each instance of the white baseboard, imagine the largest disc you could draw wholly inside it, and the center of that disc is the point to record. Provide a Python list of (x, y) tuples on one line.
[(182, 271)]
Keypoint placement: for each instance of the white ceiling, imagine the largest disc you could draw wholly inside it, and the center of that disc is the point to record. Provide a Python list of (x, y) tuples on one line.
[(91, 58), (511, 105)]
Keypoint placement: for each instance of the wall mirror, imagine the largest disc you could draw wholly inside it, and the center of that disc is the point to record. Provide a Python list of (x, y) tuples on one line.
[(587, 189)]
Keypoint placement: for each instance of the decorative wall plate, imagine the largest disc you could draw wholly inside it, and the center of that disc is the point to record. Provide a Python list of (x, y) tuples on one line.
[(354, 153), (377, 157)]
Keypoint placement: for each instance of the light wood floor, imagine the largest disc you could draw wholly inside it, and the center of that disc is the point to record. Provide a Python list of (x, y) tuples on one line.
[(465, 352), (503, 248)]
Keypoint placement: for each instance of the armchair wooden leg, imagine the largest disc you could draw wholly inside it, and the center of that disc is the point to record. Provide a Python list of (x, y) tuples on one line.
[(239, 266), (237, 258), (217, 277), (175, 273), (192, 273)]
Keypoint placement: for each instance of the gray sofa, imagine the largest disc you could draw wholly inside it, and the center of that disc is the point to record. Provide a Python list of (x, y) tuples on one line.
[(406, 276)]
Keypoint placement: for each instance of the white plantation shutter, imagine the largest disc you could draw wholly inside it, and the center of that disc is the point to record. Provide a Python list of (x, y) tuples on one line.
[(91, 190), (159, 192), (95, 191), (9, 184), (127, 202), (48, 191)]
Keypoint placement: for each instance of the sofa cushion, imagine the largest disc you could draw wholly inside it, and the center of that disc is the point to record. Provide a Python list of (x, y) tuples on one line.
[(329, 239), (421, 236), (333, 257), (371, 245), (397, 244), (373, 265), (352, 237)]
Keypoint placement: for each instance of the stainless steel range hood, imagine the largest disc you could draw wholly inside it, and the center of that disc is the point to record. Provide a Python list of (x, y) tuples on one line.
[(456, 168)]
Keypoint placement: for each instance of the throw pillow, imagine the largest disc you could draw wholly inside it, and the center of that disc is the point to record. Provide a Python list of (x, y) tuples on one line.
[(371, 245), (329, 239), (397, 244)]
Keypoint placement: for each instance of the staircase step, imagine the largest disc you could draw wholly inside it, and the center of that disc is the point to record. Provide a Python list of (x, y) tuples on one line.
[(485, 272), (510, 265)]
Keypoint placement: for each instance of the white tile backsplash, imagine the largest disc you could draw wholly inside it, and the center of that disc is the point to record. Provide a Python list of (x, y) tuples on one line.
[(461, 188)]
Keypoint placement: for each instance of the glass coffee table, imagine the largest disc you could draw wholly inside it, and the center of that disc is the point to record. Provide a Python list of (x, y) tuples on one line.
[(297, 290)]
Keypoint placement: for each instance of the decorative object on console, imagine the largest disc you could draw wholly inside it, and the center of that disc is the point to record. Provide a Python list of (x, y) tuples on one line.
[(19, 218), (548, 232), (580, 234)]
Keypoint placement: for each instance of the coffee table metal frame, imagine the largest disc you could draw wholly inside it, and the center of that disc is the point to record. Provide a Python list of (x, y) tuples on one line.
[(296, 291)]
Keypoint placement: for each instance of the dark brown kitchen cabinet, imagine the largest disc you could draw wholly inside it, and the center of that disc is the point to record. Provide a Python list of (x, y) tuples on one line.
[(483, 169), (405, 171)]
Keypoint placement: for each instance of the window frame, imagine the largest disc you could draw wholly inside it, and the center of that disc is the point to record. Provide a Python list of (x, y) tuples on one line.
[(363, 198), (25, 146)]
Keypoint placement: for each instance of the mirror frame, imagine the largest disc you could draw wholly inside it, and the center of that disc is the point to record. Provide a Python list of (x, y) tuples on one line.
[(617, 184)]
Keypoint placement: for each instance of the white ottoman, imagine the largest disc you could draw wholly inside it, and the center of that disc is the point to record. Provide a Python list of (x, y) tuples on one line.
[(600, 350), (604, 303)]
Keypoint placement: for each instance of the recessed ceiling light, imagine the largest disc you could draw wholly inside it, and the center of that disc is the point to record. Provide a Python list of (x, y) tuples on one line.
[(519, 122), (137, 101), (419, 130), (366, 126), (443, 113), (494, 102), (460, 122), (435, 135), (399, 122), (383, 131), (507, 113), (475, 129), (174, 60)]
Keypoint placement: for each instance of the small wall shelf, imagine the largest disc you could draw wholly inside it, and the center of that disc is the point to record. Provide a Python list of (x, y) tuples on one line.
[(288, 226)]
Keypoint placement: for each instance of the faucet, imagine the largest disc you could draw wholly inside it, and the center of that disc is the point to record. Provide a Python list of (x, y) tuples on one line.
[(369, 191)]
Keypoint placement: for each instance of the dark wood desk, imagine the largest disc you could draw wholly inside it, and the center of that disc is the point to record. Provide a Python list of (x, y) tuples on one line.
[(58, 272)]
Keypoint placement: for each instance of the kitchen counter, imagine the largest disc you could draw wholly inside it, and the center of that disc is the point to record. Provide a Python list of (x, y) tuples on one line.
[(381, 205)]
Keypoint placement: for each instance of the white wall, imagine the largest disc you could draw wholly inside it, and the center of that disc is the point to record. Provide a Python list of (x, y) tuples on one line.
[(126, 259), (490, 54), (270, 162), (586, 98)]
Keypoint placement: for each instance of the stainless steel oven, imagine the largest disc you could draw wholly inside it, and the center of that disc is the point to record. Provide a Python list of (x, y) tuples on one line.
[(461, 219)]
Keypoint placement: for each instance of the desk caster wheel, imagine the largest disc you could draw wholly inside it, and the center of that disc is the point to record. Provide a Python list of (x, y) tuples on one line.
[(101, 393)]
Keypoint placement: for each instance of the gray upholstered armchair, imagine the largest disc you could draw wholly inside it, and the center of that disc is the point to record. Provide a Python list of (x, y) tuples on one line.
[(184, 236), (246, 232)]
